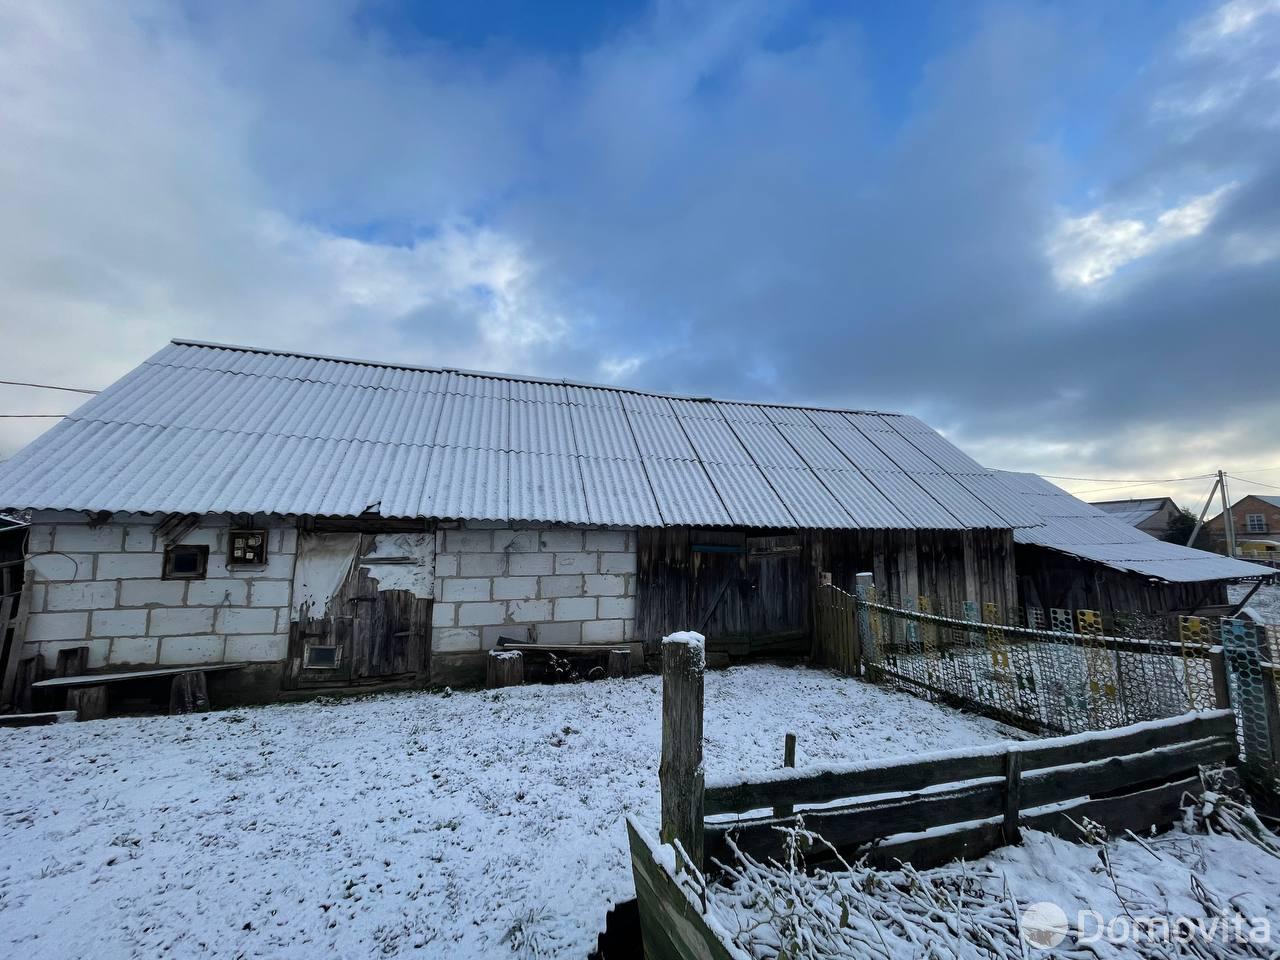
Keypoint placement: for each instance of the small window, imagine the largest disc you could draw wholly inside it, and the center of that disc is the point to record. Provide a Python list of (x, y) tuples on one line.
[(247, 547), (1256, 523), (186, 562), (321, 658)]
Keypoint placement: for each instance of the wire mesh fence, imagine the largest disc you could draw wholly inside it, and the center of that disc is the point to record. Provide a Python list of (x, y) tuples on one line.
[(1058, 671)]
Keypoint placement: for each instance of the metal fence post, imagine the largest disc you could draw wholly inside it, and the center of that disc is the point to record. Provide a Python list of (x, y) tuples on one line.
[(865, 643)]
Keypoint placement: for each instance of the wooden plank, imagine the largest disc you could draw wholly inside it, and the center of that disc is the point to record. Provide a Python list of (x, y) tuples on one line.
[(504, 668), (680, 773), (95, 679), (1012, 796), (671, 926), (36, 719), (1137, 811), (89, 703), (823, 786), (71, 662), (9, 691), (789, 763)]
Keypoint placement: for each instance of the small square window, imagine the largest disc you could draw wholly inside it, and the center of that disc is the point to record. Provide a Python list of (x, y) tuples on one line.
[(247, 547), (1256, 523), (321, 658), (186, 562)]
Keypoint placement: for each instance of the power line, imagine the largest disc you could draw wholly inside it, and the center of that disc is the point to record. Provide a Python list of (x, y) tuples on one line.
[(1256, 483), (46, 386), (1126, 482)]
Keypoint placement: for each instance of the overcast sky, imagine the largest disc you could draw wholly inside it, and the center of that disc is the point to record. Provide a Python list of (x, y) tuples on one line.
[(1051, 230)]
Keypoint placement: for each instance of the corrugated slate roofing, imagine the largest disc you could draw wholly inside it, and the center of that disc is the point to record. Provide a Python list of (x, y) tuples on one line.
[(1079, 529), (1132, 512), (203, 428)]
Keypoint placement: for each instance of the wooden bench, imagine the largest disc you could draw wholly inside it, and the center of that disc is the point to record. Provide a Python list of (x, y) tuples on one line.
[(87, 694)]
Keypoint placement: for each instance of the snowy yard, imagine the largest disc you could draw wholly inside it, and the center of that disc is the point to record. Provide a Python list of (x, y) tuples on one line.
[(464, 824)]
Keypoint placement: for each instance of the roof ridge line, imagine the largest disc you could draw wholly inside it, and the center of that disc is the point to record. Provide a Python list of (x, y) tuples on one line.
[(522, 378)]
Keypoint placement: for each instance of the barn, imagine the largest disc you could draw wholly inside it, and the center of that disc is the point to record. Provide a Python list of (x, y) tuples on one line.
[(325, 523), (1081, 557)]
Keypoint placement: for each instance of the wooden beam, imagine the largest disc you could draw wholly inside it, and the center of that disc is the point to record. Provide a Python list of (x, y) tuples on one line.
[(680, 773)]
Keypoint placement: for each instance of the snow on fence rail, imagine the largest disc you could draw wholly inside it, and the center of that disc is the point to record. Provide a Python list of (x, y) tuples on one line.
[(924, 810)]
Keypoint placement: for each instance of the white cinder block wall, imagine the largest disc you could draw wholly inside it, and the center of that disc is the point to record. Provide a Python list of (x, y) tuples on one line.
[(563, 585), (102, 587)]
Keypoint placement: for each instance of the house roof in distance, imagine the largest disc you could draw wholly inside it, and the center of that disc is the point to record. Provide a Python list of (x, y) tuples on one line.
[(1081, 530), (1133, 512), (208, 428)]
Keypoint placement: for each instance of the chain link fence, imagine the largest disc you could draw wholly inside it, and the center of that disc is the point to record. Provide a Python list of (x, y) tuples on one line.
[(1058, 672)]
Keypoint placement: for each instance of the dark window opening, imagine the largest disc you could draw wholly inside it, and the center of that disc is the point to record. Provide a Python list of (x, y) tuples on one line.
[(322, 657), (185, 562)]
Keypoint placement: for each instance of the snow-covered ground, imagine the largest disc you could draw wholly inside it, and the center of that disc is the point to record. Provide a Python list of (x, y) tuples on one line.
[(469, 825), (1265, 603)]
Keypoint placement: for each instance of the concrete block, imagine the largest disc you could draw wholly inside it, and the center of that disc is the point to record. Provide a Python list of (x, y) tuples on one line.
[(140, 539), (628, 629), (443, 614), (455, 639), (475, 614), (576, 562), (57, 626), (516, 541), (602, 631), (567, 586), (80, 537), (610, 541), (176, 621), (515, 588), (468, 541), (40, 538), (129, 650), (245, 620), (153, 593), (279, 566), (576, 608), (462, 589), (561, 541), (446, 565), (490, 637), (182, 650), (62, 566), (616, 607), (285, 540), (212, 537), (484, 564), (82, 595), (118, 623), (565, 632), (269, 593), (605, 585), (129, 566), (528, 611), (617, 563), (531, 564), (37, 597), (218, 593), (257, 647)]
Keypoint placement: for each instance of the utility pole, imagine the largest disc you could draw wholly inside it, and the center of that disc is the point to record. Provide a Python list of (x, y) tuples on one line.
[(1228, 519), (1191, 540)]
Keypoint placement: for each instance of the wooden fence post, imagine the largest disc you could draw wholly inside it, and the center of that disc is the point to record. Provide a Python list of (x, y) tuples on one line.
[(788, 761), (680, 774)]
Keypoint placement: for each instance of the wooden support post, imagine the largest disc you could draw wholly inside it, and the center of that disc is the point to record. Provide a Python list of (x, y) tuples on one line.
[(1009, 831), (9, 689), (504, 668), (189, 693), (680, 773), (619, 663), (788, 761), (89, 703), (1218, 669)]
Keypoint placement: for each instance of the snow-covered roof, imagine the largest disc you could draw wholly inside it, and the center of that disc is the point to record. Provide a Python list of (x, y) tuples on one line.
[(203, 428), (1132, 512), (1077, 528)]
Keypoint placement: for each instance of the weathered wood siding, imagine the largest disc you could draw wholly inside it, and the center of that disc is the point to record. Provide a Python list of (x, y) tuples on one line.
[(1048, 579), (751, 592)]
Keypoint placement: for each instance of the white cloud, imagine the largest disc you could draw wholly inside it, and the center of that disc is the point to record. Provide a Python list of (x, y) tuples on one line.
[(132, 213), (1088, 249)]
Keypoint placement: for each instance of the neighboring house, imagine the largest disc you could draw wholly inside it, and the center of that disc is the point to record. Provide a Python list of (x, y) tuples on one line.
[(1256, 518), (1155, 516), (1082, 557), (338, 523)]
